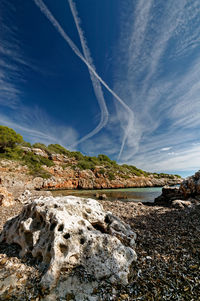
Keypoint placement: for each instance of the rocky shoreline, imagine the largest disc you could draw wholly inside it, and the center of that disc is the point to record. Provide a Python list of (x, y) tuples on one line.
[(167, 248), (167, 267)]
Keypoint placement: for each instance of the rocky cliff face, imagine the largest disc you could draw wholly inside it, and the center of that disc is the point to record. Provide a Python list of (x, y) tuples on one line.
[(65, 174)]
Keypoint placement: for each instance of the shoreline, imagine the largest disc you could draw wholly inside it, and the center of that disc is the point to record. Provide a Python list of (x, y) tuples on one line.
[(100, 189), (167, 246)]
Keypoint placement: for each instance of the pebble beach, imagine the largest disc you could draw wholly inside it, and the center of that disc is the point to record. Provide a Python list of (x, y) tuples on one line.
[(167, 246)]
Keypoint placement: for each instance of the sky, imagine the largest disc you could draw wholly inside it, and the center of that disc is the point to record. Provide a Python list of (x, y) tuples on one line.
[(105, 76)]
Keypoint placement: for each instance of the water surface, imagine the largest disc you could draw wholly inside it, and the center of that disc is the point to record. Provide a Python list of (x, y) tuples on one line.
[(147, 194)]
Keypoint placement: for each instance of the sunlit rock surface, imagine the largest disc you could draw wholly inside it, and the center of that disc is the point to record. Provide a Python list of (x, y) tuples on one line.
[(65, 174), (6, 198), (74, 236)]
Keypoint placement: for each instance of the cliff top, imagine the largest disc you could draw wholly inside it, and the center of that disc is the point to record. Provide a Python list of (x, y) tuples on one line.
[(38, 155)]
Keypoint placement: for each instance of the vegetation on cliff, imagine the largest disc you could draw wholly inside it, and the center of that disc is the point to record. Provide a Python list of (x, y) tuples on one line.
[(8, 138), (13, 147)]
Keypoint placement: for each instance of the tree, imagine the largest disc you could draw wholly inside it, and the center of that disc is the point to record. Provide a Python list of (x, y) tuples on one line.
[(8, 138)]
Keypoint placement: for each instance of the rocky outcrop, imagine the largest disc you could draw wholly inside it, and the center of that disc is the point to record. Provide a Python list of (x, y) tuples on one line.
[(187, 195), (191, 186), (76, 237), (169, 194)]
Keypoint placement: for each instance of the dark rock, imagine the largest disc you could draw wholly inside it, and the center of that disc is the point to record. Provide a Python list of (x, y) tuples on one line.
[(168, 195)]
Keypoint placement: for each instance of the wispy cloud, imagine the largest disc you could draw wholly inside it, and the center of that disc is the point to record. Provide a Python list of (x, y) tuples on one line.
[(32, 122), (45, 129), (130, 116), (163, 89), (13, 62), (95, 82), (164, 149), (9, 92)]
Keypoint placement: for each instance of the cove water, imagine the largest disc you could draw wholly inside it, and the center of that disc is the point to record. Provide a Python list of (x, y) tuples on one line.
[(147, 194)]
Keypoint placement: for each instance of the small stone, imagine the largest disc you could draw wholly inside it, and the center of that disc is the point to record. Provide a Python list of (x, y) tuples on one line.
[(124, 297), (148, 257)]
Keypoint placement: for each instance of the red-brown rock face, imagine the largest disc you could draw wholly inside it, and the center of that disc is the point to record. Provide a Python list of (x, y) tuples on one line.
[(71, 177)]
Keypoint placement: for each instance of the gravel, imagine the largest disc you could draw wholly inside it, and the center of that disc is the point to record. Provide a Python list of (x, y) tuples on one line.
[(167, 245)]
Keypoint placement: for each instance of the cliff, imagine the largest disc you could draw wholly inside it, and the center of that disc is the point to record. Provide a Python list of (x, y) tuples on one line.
[(65, 172), (37, 166)]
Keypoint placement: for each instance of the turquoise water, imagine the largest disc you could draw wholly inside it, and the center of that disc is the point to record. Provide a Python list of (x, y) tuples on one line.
[(147, 194)]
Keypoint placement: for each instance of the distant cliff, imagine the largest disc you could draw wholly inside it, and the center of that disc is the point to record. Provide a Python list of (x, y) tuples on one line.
[(66, 173), (53, 167)]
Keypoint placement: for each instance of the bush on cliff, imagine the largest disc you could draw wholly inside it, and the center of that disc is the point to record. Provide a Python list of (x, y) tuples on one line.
[(77, 155), (35, 162), (58, 149), (25, 144), (111, 176), (85, 164), (32, 161), (42, 147), (8, 138)]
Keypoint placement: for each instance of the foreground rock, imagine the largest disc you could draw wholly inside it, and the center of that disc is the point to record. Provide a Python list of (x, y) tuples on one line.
[(76, 243)]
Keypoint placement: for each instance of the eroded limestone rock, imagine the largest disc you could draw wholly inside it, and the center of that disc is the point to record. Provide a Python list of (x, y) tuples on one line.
[(65, 233)]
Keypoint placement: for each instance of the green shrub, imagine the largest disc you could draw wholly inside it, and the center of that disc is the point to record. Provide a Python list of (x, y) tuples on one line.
[(26, 144), (178, 176), (58, 149), (84, 164), (102, 171), (77, 155), (15, 153), (94, 160), (36, 161), (8, 138), (39, 172), (124, 176), (104, 158), (111, 176)]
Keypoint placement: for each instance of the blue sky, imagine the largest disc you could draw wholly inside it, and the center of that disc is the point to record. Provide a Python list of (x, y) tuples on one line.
[(105, 76)]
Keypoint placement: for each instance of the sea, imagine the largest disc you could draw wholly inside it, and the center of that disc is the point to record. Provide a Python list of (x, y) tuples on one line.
[(147, 194)]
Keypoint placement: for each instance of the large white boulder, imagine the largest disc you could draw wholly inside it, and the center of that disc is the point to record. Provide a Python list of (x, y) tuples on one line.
[(65, 233)]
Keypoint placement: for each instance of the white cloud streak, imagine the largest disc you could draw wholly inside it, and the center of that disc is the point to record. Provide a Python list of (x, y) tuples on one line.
[(45, 130), (60, 30), (164, 149), (165, 97), (95, 82)]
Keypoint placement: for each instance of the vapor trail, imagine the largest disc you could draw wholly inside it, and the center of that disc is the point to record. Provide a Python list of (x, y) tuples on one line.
[(57, 26), (95, 82)]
